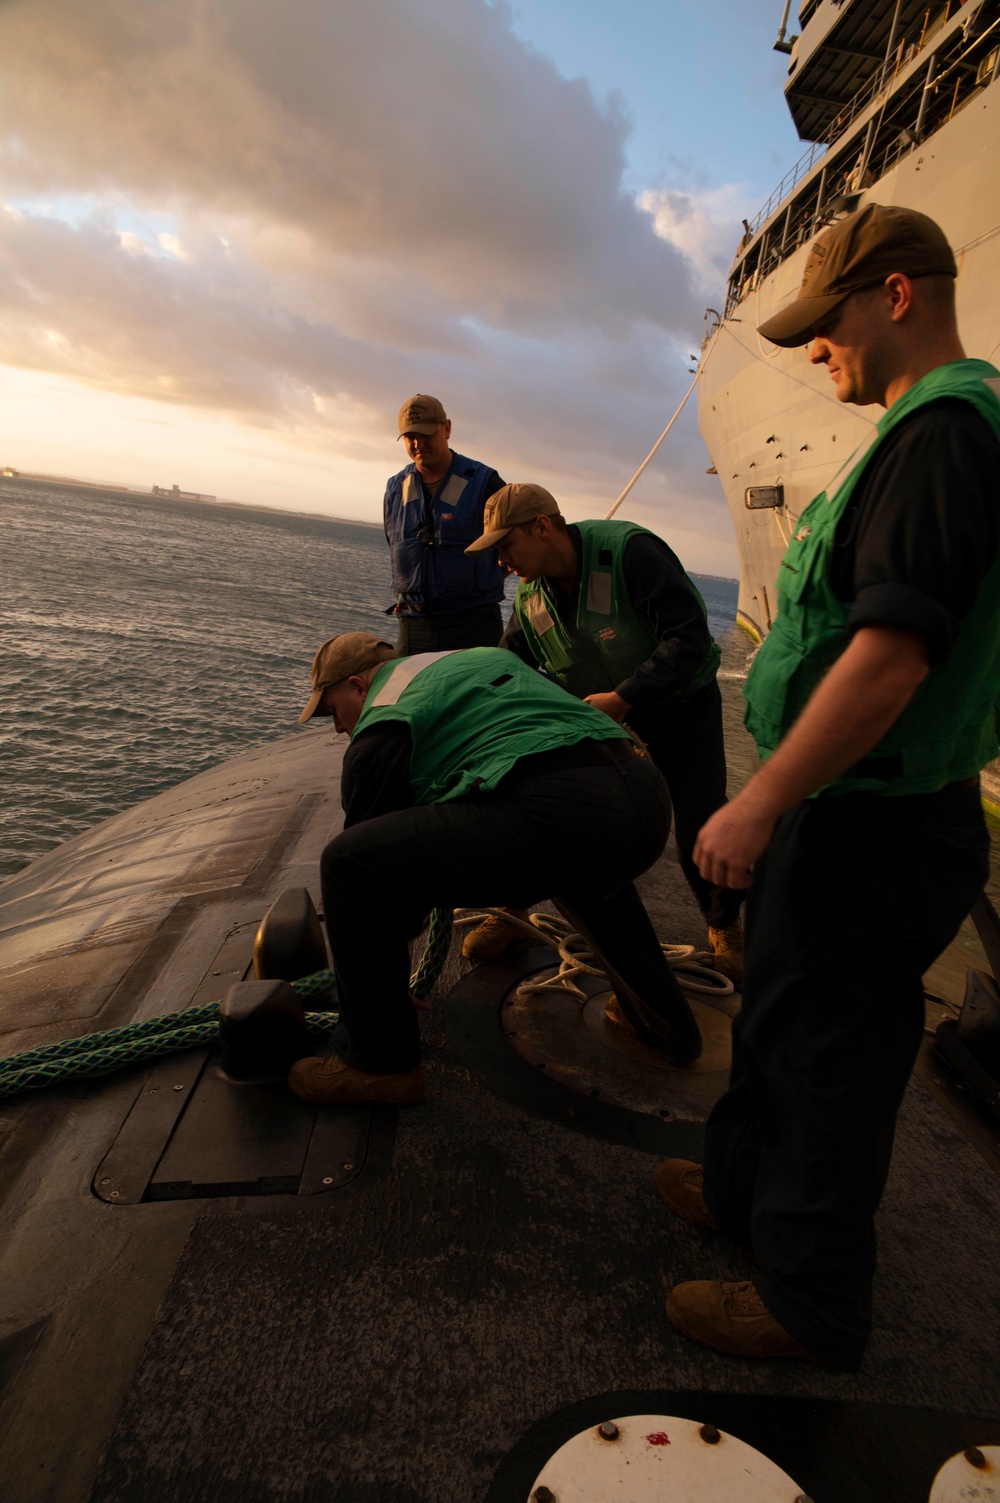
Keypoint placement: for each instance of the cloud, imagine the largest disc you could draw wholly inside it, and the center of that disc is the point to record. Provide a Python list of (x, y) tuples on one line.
[(428, 138), (704, 226), (349, 202)]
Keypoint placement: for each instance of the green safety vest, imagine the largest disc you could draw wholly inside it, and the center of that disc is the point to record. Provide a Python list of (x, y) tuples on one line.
[(473, 714), (948, 731), (609, 638)]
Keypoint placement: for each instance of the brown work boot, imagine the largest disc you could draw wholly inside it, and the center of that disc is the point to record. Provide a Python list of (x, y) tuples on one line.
[(491, 939), (679, 1184), (333, 1082), (731, 1318), (614, 1015), (727, 948)]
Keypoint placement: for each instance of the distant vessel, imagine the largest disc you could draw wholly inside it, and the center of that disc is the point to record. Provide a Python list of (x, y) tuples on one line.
[(174, 493), (900, 102)]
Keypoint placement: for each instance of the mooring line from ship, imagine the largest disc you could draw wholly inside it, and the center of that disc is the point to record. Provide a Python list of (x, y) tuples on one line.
[(659, 441), (113, 1049)]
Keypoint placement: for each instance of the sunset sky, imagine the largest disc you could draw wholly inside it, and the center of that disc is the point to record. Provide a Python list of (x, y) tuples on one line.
[(238, 235)]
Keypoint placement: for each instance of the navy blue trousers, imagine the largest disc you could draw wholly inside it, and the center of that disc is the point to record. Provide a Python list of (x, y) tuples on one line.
[(578, 836), (855, 897), (685, 741), (482, 626)]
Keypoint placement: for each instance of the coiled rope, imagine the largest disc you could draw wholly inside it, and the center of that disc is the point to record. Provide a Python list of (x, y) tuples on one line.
[(577, 959), (192, 1028)]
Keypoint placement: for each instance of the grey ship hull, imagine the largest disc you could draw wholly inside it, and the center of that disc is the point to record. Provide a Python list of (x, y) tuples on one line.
[(769, 418)]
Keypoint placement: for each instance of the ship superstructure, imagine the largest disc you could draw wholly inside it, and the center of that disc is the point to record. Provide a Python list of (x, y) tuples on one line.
[(900, 102)]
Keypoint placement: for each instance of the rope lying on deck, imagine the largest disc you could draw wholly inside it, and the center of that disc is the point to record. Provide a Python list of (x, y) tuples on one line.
[(694, 967), (197, 1027), (192, 1028)]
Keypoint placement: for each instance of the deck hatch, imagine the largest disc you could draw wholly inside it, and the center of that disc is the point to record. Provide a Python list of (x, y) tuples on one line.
[(192, 1134)]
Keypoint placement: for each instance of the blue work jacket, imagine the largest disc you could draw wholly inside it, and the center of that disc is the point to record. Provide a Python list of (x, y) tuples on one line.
[(431, 573)]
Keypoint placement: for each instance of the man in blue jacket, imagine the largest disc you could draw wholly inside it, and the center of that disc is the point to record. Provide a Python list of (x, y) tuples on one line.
[(433, 511)]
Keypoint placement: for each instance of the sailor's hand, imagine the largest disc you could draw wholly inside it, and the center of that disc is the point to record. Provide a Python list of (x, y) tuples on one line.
[(609, 704), (730, 842)]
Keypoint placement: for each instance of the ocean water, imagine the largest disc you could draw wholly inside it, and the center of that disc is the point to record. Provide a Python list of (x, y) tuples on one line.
[(144, 640)]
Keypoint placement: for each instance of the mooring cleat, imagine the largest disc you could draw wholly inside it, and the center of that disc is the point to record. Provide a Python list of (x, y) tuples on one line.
[(290, 942), (262, 1030)]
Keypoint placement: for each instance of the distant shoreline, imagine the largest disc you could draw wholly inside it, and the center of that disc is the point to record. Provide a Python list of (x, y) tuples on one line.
[(131, 493)]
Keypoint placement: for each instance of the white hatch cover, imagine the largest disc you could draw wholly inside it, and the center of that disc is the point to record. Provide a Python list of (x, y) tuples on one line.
[(972, 1474), (656, 1458)]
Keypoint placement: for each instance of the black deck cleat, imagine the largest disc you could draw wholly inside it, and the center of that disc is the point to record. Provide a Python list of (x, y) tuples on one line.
[(262, 1031), (290, 942)]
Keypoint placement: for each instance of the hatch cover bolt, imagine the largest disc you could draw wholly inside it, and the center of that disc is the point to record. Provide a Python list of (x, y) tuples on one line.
[(105, 1182), (178, 1088), (544, 1495), (348, 1166), (115, 1195), (710, 1435), (975, 1457), (328, 1179), (608, 1431)]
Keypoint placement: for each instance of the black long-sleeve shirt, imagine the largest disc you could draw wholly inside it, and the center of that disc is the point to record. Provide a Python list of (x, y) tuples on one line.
[(658, 588), (375, 778), (922, 528)]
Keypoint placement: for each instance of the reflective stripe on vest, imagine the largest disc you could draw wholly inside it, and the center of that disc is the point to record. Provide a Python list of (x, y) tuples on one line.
[(403, 674), (473, 714)]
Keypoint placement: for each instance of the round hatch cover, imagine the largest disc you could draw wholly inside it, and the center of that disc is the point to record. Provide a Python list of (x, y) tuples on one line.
[(974, 1473), (657, 1458)]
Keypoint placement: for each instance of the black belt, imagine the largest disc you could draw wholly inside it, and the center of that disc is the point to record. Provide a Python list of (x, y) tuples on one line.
[(582, 754)]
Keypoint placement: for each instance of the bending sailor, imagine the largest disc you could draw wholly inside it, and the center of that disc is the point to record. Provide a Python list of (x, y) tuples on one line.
[(471, 779)]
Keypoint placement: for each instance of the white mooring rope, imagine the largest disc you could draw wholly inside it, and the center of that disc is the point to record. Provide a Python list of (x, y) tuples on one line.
[(576, 958)]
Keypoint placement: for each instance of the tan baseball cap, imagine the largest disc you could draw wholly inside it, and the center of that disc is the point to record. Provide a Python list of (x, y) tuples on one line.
[(421, 415), (508, 507), (350, 652), (856, 252)]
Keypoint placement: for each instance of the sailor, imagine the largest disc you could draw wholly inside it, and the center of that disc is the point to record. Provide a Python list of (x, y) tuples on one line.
[(873, 703), (469, 779), (433, 508), (606, 609)]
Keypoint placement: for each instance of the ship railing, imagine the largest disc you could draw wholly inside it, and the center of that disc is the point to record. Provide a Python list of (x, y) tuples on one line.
[(960, 67), (903, 52)]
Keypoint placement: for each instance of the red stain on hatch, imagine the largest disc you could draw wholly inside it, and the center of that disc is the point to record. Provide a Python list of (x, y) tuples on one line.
[(658, 1438)]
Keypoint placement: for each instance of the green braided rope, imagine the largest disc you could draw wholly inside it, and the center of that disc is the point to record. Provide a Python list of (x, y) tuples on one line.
[(192, 1028), (440, 923)]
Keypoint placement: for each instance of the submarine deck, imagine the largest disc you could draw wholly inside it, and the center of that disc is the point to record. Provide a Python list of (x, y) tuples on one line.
[(484, 1278)]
